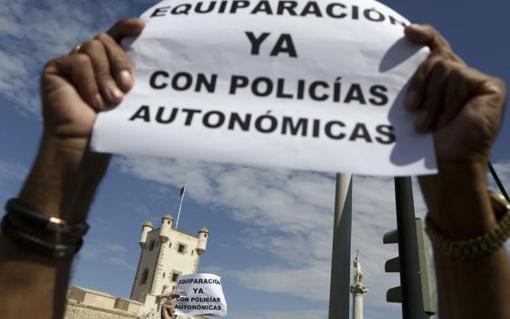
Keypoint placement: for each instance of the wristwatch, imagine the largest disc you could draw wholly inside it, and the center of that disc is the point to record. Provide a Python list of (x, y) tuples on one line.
[(480, 246)]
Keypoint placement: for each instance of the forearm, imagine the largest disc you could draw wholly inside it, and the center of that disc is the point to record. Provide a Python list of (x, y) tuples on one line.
[(61, 184), (64, 178), (460, 208)]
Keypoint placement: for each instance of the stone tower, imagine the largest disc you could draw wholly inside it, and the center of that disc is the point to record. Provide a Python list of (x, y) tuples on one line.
[(165, 254), (358, 289)]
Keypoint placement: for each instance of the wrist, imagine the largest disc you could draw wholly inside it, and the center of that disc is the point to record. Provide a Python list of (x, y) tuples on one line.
[(78, 162), (457, 198), (63, 178), (453, 179), (457, 179)]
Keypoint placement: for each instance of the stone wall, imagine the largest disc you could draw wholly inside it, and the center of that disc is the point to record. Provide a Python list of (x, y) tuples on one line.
[(85, 303), (76, 310)]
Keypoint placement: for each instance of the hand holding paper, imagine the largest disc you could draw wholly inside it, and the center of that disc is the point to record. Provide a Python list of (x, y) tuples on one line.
[(461, 105), (200, 294), (93, 77)]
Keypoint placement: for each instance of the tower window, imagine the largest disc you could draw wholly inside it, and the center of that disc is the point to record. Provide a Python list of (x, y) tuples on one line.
[(145, 275), (174, 276), (152, 244), (181, 248)]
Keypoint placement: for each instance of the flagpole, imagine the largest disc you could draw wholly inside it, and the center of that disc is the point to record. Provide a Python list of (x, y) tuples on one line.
[(183, 192)]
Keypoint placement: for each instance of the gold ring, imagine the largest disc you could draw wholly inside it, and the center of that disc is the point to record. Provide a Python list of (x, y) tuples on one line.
[(76, 49)]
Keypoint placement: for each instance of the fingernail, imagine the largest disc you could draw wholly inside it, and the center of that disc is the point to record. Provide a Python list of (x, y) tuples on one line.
[(416, 26), (125, 79), (99, 101), (493, 88), (115, 93), (410, 100)]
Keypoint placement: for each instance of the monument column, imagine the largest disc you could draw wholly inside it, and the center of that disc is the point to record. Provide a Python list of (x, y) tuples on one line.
[(358, 289)]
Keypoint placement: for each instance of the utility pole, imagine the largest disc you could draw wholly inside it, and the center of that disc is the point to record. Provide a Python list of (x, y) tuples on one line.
[(341, 255), (412, 296)]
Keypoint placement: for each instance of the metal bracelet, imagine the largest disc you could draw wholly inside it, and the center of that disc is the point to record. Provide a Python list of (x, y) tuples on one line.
[(473, 248)]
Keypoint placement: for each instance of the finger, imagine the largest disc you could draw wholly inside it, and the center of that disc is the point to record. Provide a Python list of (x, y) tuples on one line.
[(427, 35), (440, 51), (165, 314), (79, 70), (123, 28), (100, 62), (456, 95), (466, 83), (493, 94), (121, 67), (416, 89), (435, 90)]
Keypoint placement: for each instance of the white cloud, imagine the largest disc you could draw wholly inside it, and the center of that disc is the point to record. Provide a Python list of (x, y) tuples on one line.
[(285, 202), (116, 248), (88, 253), (32, 33), (310, 282), (121, 262), (109, 253)]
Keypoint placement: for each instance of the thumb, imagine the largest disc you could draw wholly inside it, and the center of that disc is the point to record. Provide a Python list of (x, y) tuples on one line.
[(128, 27), (427, 35)]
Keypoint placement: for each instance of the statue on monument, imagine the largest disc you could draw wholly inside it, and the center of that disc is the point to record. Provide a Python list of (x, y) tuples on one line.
[(358, 274), (358, 286)]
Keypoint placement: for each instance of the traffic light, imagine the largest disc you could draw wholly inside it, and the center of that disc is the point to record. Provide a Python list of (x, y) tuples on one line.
[(392, 265), (422, 276)]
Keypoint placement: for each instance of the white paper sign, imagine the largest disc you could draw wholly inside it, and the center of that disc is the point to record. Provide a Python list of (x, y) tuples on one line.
[(315, 85), (200, 294)]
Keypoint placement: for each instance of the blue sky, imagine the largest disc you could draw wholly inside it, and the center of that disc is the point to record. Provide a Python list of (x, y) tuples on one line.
[(270, 229)]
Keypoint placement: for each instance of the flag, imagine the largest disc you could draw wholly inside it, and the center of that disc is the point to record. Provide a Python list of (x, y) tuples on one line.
[(182, 191)]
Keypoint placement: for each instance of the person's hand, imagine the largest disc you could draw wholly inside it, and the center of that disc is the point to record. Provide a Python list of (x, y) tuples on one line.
[(93, 77), (460, 105), (168, 308), (463, 109)]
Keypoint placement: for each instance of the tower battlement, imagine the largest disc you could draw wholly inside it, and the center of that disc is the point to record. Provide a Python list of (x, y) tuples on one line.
[(165, 254)]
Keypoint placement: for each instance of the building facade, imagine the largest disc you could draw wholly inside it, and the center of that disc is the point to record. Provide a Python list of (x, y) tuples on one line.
[(90, 304), (165, 254)]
